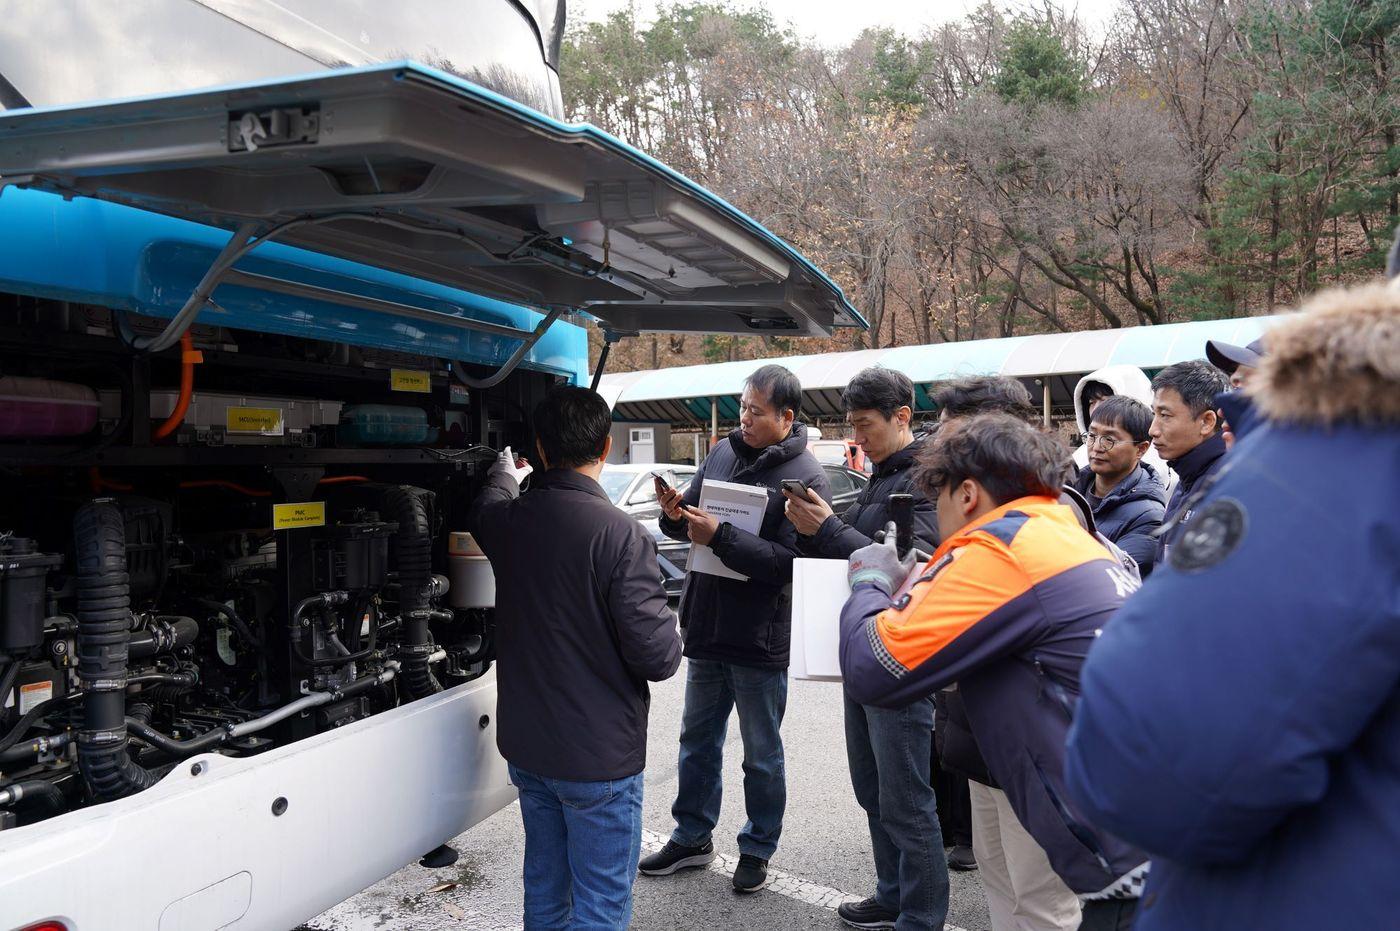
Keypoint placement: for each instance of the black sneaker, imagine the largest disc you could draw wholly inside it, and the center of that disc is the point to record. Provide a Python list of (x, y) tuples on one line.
[(867, 913), (674, 857), (962, 860), (750, 874)]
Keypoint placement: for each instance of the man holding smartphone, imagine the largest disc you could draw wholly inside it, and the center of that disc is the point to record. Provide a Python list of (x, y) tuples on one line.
[(889, 750), (737, 632)]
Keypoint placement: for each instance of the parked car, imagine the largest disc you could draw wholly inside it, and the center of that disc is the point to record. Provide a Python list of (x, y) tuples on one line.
[(630, 487), (672, 556), (840, 452)]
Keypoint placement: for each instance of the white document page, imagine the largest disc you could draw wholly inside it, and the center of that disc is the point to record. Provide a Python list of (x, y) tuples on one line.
[(819, 591), (740, 505)]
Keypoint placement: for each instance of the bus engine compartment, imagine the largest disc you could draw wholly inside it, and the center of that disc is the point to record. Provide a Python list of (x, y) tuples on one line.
[(225, 547)]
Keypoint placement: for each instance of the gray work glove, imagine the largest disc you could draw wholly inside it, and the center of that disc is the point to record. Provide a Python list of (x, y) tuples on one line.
[(879, 564)]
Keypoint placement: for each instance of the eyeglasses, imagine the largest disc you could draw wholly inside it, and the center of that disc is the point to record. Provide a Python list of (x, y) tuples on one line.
[(1105, 442)]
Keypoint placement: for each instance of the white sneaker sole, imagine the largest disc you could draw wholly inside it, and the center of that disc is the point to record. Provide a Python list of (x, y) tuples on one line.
[(685, 863)]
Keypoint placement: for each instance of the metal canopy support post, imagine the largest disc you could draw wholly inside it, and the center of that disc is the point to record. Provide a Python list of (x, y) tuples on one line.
[(1045, 399), (714, 421)]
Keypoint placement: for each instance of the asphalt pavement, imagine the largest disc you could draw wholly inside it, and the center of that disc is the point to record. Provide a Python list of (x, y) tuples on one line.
[(823, 858)]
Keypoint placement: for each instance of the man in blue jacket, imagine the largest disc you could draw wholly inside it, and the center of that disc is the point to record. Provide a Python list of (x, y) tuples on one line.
[(1240, 718), (1125, 494), (737, 631)]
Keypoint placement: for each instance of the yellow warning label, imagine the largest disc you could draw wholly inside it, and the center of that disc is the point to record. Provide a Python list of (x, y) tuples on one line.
[(299, 514), (264, 421), (410, 380)]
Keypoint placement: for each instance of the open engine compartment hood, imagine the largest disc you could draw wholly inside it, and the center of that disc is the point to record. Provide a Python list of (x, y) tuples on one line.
[(415, 171)]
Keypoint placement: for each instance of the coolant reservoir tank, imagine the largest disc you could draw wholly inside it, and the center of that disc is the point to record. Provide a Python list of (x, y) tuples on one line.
[(468, 569)]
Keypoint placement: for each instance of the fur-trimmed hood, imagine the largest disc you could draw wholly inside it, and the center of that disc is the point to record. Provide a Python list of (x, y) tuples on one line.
[(1337, 361)]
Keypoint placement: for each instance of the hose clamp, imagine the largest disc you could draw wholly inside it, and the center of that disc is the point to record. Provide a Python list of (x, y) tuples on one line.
[(416, 649), (103, 738), (104, 685)]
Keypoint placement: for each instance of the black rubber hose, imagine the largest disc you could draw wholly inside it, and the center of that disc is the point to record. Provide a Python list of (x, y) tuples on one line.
[(104, 618), (172, 747), (7, 681), (34, 747), (23, 725), (162, 635), (413, 551), (240, 625), (31, 788)]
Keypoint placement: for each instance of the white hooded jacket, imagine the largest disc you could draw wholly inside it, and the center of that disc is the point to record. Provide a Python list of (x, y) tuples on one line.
[(1127, 380)]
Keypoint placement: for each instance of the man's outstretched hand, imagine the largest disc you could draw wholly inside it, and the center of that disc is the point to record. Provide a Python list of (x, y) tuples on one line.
[(508, 464), (879, 564)]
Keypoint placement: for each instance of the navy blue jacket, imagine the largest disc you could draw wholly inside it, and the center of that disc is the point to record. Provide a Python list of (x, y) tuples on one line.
[(1131, 514), (1194, 471), (1240, 718), (747, 623)]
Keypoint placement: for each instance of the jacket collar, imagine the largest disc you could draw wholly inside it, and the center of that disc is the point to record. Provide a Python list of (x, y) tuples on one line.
[(1191, 466), (1034, 505), (574, 481), (1142, 482), (901, 459), (790, 447)]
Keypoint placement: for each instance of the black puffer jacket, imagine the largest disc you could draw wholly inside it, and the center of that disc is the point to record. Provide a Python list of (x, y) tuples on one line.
[(839, 537), (747, 623)]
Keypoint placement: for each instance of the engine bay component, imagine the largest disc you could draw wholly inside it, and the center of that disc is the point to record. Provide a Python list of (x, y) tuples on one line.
[(384, 425), (473, 581), (23, 594), (42, 407)]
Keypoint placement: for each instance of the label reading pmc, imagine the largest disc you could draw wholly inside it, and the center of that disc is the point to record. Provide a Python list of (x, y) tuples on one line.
[(298, 515), (262, 421), (413, 380)]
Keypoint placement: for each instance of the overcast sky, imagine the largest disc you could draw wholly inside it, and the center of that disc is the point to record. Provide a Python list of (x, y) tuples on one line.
[(836, 22)]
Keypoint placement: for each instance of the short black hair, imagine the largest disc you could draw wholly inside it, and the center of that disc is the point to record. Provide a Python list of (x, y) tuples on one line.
[(878, 389), (1096, 390), (1197, 381), (780, 386), (1003, 453), (572, 426), (1119, 410), (983, 394)]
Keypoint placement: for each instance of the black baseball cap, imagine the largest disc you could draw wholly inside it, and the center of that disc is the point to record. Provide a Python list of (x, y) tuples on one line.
[(1228, 357)]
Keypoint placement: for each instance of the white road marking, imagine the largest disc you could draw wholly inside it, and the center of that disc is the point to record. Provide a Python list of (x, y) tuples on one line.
[(784, 884)]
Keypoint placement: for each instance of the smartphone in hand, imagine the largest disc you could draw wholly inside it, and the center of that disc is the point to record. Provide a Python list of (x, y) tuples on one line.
[(662, 485), (795, 487)]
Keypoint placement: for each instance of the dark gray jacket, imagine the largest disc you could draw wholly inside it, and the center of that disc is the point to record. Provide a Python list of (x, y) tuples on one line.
[(581, 626), (747, 623), (839, 537)]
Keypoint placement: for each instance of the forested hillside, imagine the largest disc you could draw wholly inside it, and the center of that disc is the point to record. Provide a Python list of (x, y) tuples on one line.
[(1015, 172)]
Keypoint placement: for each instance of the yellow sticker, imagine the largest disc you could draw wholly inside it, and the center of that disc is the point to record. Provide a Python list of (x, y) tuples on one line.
[(264, 421), (410, 380), (298, 515)]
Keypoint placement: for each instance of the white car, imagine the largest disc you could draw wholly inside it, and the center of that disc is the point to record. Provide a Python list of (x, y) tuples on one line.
[(631, 488)]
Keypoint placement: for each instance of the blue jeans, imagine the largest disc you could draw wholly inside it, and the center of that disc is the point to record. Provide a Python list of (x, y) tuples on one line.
[(889, 752), (582, 842), (712, 689)]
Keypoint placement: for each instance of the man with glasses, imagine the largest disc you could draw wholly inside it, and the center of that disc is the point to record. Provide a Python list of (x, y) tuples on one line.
[(737, 631), (1127, 497)]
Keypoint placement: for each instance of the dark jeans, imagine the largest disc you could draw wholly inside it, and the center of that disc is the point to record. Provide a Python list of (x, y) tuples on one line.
[(582, 842), (889, 751), (712, 690), (1108, 915)]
